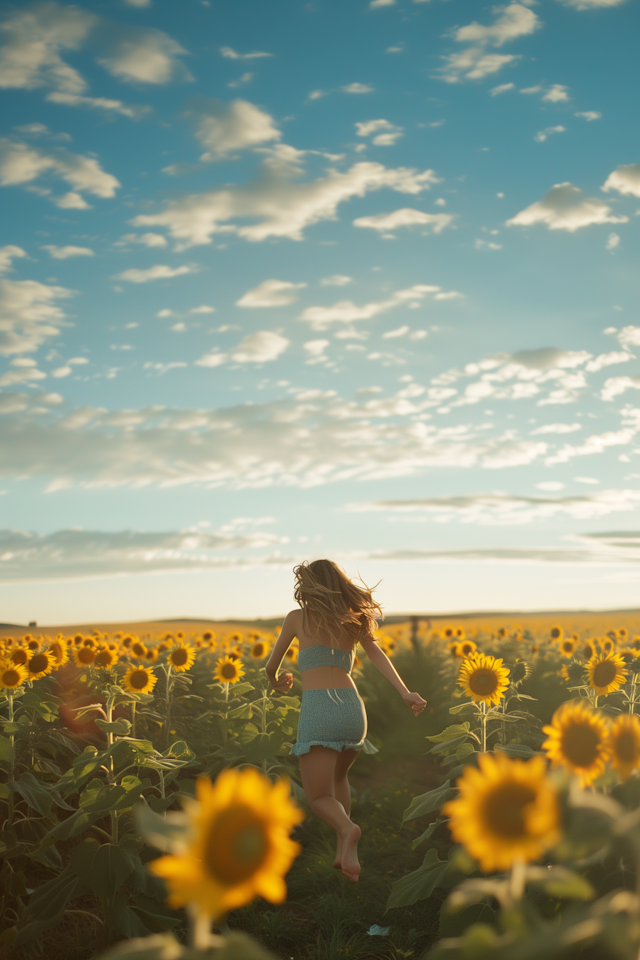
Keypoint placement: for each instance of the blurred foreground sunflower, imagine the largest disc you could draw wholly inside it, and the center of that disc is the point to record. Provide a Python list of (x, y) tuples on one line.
[(606, 673), (507, 810), (578, 740), (236, 846), (139, 680), (483, 678), (625, 744), (228, 670)]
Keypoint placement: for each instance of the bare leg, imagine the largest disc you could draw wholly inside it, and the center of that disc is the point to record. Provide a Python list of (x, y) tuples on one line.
[(342, 792), (317, 771)]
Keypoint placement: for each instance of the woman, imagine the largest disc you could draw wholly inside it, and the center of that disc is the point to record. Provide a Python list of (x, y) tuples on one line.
[(334, 616)]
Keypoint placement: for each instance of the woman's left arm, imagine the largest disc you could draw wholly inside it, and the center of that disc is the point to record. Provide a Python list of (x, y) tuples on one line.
[(282, 644)]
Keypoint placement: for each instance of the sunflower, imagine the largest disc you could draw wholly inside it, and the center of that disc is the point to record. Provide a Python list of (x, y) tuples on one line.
[(84, 656), (606, 673), (60, 651), (607, 645), (12, 674), (105, 658), (625, 744), (259, 650), (228, 670), (138, 650), (623, 634), (466, 648), (483, 678), (589, 649), (40, 664), (139, 680), (181, 657), (567, 646), (556, 633), (151, 655), (20, 656), (578, 740), (507, 811), (448, 633), (236, 847), (460, 634)]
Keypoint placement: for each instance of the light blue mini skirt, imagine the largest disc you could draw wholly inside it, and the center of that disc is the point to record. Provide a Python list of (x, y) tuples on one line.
[(333, 718)]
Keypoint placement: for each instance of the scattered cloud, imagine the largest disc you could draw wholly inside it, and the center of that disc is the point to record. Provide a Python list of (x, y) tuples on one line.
[(345, 311), (241, 81), (143, 55), (134, 111), (474, 64), (386, 133), (147, 239), (260, 347), (270, 293), (502, 88), (63, 253), (616, 386), (20, 164), (591, 4), (629, 336), (625, 180), (159, 272), (406, 217), (565, 207), (556, 428), (283, 208), (29, 314), (232, 55), (381, 3), (516, 21), (7, 255), (613, 241), (337, 280), (589, 115), (542, 135), (556, 94), (358, 88), (225, 127)]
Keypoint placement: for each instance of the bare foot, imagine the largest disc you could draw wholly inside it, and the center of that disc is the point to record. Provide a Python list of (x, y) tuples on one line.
[(350, 864)]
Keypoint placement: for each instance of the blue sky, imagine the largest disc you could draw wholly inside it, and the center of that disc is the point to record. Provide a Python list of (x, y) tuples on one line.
[(291, 280)]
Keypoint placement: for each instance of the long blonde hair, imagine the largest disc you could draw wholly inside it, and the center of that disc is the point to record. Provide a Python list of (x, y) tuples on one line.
[(323, 589)]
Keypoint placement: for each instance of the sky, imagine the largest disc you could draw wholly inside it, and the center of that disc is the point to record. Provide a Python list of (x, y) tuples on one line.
[(353, 279)]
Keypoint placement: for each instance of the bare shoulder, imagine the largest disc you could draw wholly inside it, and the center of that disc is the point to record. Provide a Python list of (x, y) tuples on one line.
[(293, 621), (369, 645)]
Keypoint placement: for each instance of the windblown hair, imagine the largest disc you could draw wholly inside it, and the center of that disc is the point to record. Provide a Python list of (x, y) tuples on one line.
[(336, 603)]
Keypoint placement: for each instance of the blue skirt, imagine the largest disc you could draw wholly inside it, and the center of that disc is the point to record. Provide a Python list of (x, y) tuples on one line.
[(333, 718)]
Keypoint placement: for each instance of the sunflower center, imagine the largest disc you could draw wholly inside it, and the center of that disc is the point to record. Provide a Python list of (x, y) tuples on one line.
[(38, 663), (236, 847), (503, 809), (11, 678), (179, 657), (138, 650), (229, 671), (580, 744), (103, 658), (626, 747), (567, 646), (483, 682), (20, 656), (86, 655), (139, 679), (604, 673)]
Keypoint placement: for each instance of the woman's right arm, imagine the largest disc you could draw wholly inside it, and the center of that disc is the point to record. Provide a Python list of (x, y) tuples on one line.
[(282, 644), (382, 663)]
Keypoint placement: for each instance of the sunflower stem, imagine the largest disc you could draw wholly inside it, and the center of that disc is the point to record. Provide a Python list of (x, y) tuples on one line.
[(484, 726), (517, 880), (168, 703), (12, 761), (133, 719)]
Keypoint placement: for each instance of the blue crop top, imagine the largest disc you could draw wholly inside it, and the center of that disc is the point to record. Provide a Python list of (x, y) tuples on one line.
[(321, 655)]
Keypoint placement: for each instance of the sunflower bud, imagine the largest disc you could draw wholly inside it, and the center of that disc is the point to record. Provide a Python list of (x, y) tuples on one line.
[(519, 671), (574, 672)]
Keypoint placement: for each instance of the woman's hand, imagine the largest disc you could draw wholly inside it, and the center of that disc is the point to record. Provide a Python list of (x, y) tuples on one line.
[(282, 683), (415, 701)]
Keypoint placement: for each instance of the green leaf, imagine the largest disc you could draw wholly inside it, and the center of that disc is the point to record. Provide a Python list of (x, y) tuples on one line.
[(467, 705), (419, 884), (451, 733), (5, 750), (109, 869), (464, 751), (122, 920), (427, 833), (426, 802), (448, 744), (180, 750), (159, 832), (36, 794), (513, 749), (120, 727), (243, 712)]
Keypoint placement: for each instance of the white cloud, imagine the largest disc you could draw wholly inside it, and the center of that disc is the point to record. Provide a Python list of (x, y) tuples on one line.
[(134, 111), (556, 428), (7, 255), (516, 21), (270, 293), (550, 485), (282, 208), (21, 164), (591, 4), (138, 3), (487, 245), (72, 201), (316, 347), (381, 3), (565, 207), (337, 280), (260, 347), (542, 135), (213, 359), (589, 115), (232, 55), (159, 272), (63, 253), (143, 55), (474, 64), (241, 81), (502, 88), (405, 217), (629, 336), (382, 139), (607, 360), (357, 88), (597, 443), (345, 311), (205, 308), (625, 180), (613, 241), (225, 127), (556, 94), (147, 239), (29, 314), (399, 332), (615, 386)]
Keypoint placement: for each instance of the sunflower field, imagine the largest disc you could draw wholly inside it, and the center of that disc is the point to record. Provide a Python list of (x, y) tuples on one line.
[(148, 795)]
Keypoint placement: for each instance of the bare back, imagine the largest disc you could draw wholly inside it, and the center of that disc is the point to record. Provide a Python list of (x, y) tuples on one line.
[(322, 678)]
